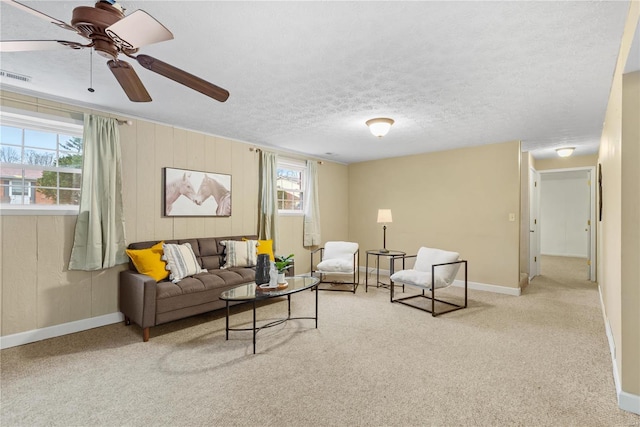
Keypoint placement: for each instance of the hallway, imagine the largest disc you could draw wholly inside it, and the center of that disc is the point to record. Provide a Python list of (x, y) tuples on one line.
[(569, 269)]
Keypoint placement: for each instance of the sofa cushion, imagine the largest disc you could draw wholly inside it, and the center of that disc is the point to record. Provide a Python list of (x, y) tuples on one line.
[(199, 289), (240, 253), (181, 261), (149, 261)]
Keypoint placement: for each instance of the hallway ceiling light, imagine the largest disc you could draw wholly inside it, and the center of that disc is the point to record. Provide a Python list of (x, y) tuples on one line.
[(379, 127), (565, 152)]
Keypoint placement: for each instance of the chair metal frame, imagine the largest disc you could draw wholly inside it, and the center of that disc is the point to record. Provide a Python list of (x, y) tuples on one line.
[(356, 273), (430, 289)]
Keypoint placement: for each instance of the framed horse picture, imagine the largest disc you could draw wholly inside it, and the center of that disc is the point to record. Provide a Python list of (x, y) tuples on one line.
[(196, 193)]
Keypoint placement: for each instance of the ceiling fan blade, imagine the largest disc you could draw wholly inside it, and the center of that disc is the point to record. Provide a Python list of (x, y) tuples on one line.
[(129, 80), (182, 77), (138, 29), (40, 15), (28, 45)]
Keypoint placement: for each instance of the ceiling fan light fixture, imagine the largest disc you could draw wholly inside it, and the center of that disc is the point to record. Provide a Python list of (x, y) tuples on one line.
[(379, 127), (565, 152), (112, 33)]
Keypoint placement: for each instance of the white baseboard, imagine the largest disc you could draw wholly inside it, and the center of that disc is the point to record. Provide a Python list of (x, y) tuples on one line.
[(629, 402), (460, 283), (497, 289), (626, 401), (59, 330)]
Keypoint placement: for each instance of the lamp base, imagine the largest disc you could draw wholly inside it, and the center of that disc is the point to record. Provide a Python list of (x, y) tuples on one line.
[(384, 250)]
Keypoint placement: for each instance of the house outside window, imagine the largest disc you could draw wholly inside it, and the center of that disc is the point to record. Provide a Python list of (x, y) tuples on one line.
[(291, 176), (40, 163), (20, 192)]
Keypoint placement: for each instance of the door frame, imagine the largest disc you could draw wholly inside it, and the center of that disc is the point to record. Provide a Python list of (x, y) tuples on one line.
[(534, 210), (592, 213)]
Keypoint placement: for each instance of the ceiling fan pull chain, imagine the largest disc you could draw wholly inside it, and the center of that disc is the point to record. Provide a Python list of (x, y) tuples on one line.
[(91, 89)]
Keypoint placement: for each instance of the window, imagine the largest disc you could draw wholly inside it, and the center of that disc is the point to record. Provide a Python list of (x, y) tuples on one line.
[(291, 175), (40, 162)]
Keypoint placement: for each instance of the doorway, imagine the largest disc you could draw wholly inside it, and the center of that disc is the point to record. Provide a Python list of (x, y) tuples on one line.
[(534, 241), (562, 212)]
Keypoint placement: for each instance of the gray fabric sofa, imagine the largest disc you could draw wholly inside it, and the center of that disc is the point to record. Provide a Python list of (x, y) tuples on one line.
[(147, 303)]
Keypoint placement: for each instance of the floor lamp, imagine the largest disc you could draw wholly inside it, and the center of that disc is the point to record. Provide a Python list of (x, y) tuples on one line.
[(384, 217)]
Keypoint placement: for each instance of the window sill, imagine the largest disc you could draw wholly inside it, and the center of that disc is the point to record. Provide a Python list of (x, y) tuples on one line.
[(290, 213), (50, 211)]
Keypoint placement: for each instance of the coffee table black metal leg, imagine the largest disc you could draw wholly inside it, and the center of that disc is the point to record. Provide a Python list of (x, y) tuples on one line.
[(317, 307), (254, 327), (289, 306)]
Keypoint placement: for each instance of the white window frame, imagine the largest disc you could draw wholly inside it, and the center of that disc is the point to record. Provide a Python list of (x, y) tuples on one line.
[(298, 166), (47, 123)]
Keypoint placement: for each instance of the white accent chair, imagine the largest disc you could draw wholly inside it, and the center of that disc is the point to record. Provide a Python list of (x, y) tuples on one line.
[(433, 269), (337, 259)]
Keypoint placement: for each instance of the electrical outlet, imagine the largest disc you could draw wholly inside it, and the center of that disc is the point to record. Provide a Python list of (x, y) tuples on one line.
[(512, 217)]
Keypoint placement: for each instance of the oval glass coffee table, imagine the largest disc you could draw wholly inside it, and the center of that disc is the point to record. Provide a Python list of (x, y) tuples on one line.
[(249, 292)]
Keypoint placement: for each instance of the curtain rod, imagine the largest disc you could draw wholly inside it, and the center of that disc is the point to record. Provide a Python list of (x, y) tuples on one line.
[(258, 150), (53, 107)]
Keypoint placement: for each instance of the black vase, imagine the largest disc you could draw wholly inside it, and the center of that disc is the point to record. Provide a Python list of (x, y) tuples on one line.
[(262, 269)]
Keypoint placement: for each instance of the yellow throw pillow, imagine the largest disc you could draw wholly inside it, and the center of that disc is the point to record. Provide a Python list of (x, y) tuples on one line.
[(149, 261), (265, 247)]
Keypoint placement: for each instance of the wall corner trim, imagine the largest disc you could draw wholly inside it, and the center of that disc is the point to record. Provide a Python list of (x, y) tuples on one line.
[(35, 335)]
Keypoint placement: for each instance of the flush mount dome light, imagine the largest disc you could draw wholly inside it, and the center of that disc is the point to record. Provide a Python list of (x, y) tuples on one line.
[(379, 127), (565, 152)]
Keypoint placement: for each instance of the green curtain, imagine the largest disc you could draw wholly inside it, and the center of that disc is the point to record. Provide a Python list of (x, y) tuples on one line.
[(99, 240), (311, 227), (268, 198)]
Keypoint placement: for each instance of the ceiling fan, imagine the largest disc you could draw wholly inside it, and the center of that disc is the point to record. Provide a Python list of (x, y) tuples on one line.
[(112, 33)]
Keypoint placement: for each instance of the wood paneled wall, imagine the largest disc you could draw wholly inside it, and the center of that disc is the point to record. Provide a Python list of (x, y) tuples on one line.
[(36, 288)]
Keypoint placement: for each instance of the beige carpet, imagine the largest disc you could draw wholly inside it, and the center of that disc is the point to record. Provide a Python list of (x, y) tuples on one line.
[(534, 360)]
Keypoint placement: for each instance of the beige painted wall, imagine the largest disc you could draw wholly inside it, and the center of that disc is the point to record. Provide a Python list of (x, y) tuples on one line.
[(567, 162), (622, 318), (37, 290), (456, 200)]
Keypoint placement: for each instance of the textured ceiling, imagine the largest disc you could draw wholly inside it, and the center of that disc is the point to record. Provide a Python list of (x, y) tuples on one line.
[(305, 76)]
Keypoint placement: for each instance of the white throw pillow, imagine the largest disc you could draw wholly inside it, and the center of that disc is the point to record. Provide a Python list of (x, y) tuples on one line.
[(339, 250), (429, 256), (336, 266), (181, 261), (417, 278), (240, 253)]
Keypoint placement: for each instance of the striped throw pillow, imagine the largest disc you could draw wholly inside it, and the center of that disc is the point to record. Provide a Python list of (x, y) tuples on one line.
[(240, 254), (181, 261)]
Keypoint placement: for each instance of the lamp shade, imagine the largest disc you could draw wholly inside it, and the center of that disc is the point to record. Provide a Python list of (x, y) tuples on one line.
[(384, 216), (379, 127), (565, 152)]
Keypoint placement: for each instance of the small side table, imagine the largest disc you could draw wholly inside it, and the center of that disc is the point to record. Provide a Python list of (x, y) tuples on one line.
[(376, 252)]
